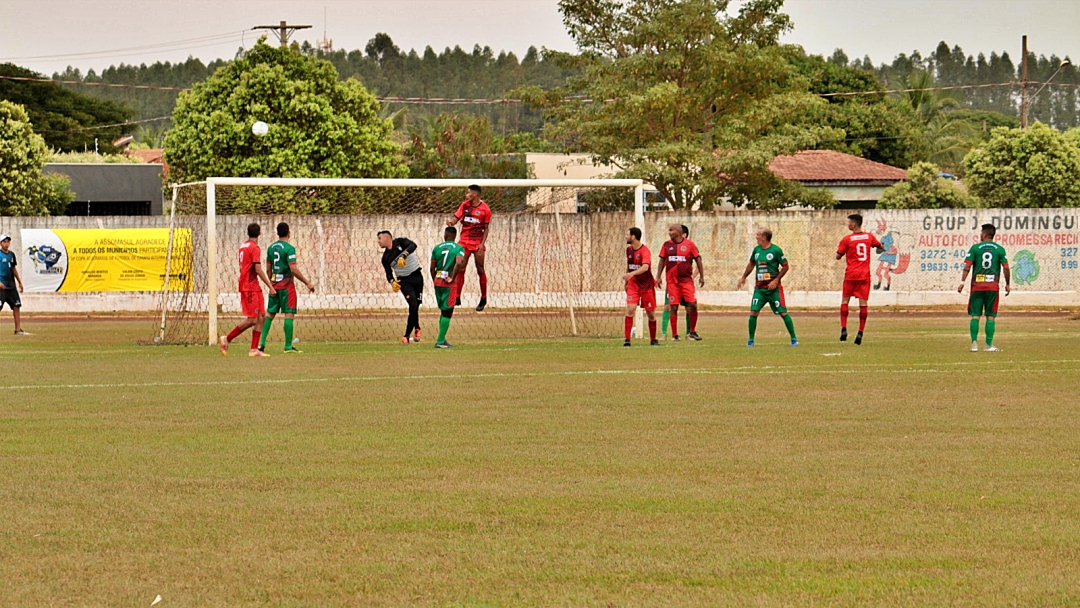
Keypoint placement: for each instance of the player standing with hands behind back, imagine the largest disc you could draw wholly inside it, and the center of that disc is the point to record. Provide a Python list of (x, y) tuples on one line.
[(856, 247), (447, 263), (990, 264), (475, 217)]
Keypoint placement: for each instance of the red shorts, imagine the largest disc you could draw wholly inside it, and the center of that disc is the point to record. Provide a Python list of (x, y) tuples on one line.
[(681, 293), (859, 289), (251, 303), (638, 296), (471, 247)]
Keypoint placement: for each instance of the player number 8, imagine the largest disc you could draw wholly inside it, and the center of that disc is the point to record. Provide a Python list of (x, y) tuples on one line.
[(987, 260)]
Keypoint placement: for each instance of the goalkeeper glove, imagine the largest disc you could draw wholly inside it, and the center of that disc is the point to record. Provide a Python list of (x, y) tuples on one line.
[(401, 261), (396, 284)]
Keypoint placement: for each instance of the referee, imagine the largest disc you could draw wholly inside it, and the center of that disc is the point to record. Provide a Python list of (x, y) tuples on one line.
[(403, 273), (10, 282)]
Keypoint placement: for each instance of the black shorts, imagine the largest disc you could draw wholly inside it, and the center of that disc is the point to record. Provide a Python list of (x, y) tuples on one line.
[(412, 286), (10, 297)]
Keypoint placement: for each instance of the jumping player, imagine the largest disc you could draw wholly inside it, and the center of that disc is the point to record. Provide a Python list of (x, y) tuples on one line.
[(403, 273), (677, 257), (475, 217), (640, 285), (447, 263), (10, 283), (281, 260), (856, 247), (771, 266), (251, 297), (990, 264)]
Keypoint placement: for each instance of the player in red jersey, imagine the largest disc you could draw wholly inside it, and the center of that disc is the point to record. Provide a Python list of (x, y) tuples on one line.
[(251, 296), (640, 285), (856, 247), (475, 216), (677, 257)]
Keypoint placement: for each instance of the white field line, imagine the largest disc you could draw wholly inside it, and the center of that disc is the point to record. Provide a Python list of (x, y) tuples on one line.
[(736, 371)]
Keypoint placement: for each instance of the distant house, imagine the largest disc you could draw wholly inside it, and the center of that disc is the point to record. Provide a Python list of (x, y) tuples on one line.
[(856, 183), (113, 188)]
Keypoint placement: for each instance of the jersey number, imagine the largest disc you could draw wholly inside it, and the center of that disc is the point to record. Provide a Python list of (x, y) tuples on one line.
[(862, 252), (987, 260), (445, 253)]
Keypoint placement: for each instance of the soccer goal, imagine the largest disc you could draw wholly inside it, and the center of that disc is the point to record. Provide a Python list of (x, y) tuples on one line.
[(553, 262)]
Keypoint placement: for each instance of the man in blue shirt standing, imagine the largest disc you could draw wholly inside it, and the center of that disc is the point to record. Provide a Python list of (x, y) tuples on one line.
[(9, 279)]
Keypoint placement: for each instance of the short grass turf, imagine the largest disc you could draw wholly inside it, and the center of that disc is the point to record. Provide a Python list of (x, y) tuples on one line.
[(904, 472)]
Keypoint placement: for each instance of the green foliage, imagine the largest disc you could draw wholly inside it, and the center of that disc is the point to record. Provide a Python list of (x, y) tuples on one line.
[(90, 157), (925, 189), (65, 119), (23, 188), (319, 126), (459, 145), (684, 95), (983, 122), (1033, 167)]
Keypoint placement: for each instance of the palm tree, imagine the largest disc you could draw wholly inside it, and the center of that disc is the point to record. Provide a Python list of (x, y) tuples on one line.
[(950, 138)]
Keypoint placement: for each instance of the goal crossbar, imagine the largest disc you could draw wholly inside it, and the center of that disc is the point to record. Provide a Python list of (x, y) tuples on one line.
[(211, 209)]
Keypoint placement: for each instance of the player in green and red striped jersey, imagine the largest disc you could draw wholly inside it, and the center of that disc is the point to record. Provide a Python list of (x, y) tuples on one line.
[(447, 262), (990, 264), (771, 265), (281, 262)]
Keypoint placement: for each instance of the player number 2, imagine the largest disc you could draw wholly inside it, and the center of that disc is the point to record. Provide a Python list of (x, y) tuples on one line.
[(862, 252), (987, 260)]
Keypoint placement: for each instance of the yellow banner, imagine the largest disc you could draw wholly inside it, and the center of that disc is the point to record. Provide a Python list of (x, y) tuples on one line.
[(96, 260)]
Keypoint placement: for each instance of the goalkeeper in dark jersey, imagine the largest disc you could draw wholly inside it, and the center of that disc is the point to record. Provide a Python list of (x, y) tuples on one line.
[(403, 273)]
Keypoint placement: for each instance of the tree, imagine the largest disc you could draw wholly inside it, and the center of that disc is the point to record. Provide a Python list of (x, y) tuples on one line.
[(925, 189), (66, 120), (1033, 167), (459, 145), (685, 96), (948, 137), (23, 188), (319, 126)]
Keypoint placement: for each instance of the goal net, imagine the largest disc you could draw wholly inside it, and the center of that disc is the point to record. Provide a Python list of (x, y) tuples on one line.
[(553, 263)]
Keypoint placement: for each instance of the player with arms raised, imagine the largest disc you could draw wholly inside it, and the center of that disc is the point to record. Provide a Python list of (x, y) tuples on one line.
[(447, 263), (677, 257), (856, 248), (990, 264), (251, 297), (281, 260), (771, 265), (640, 285), (475, 217)]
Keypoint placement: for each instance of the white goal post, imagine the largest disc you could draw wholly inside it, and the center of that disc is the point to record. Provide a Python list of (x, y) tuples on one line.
[(211, 212)]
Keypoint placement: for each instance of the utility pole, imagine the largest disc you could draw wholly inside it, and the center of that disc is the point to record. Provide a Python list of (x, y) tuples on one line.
[(1024, 84), (283, 30)]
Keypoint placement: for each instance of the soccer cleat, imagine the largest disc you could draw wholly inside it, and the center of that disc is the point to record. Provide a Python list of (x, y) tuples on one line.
[(843, 334), (293, 351), (416, 336), (626, 342), (974, 347), (749, 343), (481, 305), (877, 285), (257, 353), (993, 349), (457, 301), (794, 342), (654, 343), (405, 341), (443, 345), (858, 338), (224, 340), (886, 288), (694, 336), (674, 338)]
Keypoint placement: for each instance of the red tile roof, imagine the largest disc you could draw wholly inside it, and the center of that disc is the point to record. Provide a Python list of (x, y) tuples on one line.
[(830, 166), (153, 155)]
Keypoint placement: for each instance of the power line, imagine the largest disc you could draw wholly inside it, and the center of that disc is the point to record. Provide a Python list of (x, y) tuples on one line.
[(184, 44), (96, 127), (93, 84)]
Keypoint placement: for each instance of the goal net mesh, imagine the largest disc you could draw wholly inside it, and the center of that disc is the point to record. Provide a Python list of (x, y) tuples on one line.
[(549, 274)]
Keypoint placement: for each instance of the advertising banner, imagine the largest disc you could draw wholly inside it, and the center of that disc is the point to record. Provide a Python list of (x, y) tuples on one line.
[(102, 260)]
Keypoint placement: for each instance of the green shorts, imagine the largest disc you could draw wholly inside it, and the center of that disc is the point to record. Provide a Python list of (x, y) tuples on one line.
[(983, 303), (774, 298), (284, 301), (444, 296)]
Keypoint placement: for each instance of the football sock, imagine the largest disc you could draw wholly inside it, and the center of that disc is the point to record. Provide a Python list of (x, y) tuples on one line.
[(652, 329), (991, 326), (444, 325), (753, 326), (255, 335), (863, 313), (843, 315), (483, 285), (288, 333), (790, 326), (265, 332), (973, 327), (665, 319), (459, 284), (693, 321), (236, 331), (674, 323), (628, 326)]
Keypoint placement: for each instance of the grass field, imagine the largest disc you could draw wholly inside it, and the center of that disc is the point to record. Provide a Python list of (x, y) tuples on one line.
[(906, 472)]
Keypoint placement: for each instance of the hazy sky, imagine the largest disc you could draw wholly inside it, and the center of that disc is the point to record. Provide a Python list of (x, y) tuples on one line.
[(99, 33)]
